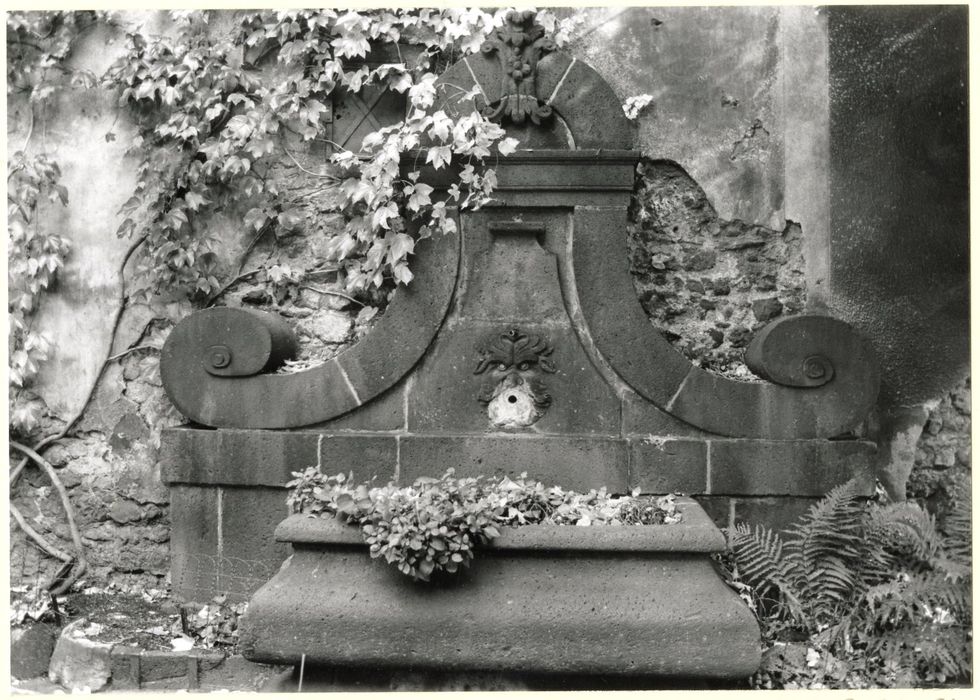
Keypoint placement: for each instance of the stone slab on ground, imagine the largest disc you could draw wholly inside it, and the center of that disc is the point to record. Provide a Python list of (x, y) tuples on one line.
[(78, 663), (30, 650)]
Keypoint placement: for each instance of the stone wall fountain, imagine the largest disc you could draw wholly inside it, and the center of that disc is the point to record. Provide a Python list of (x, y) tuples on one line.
[(520, 346)]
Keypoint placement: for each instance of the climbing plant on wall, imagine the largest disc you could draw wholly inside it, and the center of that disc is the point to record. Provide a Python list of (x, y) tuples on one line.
[(215, 111), (38, 44)]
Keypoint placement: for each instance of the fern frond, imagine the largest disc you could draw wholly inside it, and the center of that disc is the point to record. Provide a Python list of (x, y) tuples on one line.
[(828, 544), (929, 648), (758, 554), (907, 530), (957, 524), (918, 597)]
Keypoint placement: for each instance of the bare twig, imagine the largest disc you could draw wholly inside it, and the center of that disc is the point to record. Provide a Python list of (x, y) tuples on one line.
[(130, 350), (217, 295), (266, 227), (308, 172), (69, 515), (331, 293)]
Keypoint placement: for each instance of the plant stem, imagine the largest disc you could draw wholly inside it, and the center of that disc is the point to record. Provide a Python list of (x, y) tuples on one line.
[(40, 446), (331, 293), (308, 172), (69, 515), (37, 537), (131, 350)]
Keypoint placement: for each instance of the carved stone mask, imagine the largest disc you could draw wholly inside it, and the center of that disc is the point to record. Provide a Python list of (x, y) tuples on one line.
[(513, 389)]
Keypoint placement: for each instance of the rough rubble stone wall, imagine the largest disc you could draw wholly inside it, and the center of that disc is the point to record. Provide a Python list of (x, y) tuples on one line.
[(943, 451), (707, 283)]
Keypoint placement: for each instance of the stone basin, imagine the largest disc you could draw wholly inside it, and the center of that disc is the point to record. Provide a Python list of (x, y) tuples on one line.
[(622, 600)]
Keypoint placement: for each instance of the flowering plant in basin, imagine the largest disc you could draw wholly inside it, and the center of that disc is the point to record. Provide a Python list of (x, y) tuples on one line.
[(434, 524)]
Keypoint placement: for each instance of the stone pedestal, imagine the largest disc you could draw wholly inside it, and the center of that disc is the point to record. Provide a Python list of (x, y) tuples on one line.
[(601, 600)]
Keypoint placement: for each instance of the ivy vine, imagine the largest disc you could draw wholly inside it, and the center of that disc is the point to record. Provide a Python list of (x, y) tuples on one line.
[(38, 46), (216, 112)]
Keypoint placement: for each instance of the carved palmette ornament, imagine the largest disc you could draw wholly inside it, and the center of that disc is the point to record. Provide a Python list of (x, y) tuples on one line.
[(518, 46), (513, 390)]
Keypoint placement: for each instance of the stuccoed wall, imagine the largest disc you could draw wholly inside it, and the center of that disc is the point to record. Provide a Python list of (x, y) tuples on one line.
[(809, 159), (730, 226)]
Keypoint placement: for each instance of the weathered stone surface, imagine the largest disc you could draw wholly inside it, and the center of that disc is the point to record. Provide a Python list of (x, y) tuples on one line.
[(574, 463), (268, 458), (77, 663), (194, 455), (620, 329), (129, 429), (30, 650), (592, 110), (235, 672), (899, 163), (158, 665), (671, 613), (775, 513), (123, 511), (125, 667), (411, 322), (668, 466), (791, 468), (365, 455), (643, 419), (249, 554), (511, 266), (384, 412), (767, 309), (329, 326), (719, 508), (194, 552), (942, 453)]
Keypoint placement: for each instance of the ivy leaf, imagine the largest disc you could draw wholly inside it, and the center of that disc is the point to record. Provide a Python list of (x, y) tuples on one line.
[(439, 156), (195, 200), (423, 93), (441, 126), (507, 146), (382, 215), (401, 83), (256, 218), (239, 127), (402, 274), (419, 197), (400, 246), (351, 44), (213, 112)]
